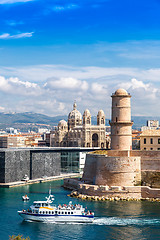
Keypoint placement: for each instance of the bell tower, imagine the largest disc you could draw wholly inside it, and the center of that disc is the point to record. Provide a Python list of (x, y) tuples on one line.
[(121, 124)]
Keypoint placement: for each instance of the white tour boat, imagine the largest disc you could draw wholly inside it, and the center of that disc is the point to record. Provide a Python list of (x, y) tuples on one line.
[(43, 211)]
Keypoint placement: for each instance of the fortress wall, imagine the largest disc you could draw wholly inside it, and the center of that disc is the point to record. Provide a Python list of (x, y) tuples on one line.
[(118, 171), (136, 192), (150, 160), (150, 165), (89, 172)]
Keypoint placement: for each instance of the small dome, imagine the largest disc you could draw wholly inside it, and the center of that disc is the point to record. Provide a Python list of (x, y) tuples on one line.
[(62, 123), (121, 91), (86, 113), (75, 114), (100, 112)]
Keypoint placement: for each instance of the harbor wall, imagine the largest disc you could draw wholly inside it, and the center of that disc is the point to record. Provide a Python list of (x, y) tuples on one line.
[(136, 192)]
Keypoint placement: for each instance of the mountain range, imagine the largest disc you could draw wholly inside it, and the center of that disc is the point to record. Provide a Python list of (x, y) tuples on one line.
[(31, 121)]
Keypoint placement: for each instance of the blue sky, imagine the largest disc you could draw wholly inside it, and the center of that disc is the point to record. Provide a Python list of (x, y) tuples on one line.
[(55, 52)]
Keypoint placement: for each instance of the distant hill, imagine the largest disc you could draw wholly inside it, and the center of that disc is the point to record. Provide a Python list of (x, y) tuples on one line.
[(31, 121), (140, 121), (28, 120)]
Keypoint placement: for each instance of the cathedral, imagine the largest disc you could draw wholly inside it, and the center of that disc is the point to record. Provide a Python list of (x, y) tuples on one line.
[(79, 132)]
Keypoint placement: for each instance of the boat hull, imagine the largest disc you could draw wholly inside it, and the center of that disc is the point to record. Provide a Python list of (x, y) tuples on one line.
[(56, 218)]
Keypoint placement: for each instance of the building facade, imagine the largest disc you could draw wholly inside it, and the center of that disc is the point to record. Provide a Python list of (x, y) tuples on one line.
[(79, 132), (150, 140)]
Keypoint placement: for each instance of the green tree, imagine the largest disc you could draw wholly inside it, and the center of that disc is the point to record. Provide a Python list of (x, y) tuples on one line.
[(19, 237)]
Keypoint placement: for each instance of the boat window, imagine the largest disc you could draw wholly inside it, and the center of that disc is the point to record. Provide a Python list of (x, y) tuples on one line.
[(43, 212), (40, 212), (65, 212), (55, 212), (68, 212), (62, 212), (59, 212), (52, 212), (49, 212), (42, 204), (71, 212)]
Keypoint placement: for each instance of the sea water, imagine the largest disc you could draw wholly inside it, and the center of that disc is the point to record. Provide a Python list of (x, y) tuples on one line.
[(113, 220)]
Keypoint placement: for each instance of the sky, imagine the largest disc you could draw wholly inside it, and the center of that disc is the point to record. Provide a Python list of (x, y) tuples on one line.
[(55, 52)]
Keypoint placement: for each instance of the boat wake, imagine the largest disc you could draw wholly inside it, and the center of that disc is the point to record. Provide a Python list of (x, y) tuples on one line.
[(125, 221), (113, 221)]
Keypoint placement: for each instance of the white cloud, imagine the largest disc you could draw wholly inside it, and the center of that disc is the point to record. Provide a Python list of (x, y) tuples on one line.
[(57, 86), (20, 35), (14, 86), (58, 8), (13, 1), (2, 108), (67, 83), (14, 23)]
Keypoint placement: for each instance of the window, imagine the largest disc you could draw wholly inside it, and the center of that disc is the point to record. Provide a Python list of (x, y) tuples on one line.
[(151, 148), (144, 140), (68, 212), (65, 212), (71, 212), (158, 140), (52, 212), (151, 140), (62, 212), (144, 148), (55, 212), (158, 148)]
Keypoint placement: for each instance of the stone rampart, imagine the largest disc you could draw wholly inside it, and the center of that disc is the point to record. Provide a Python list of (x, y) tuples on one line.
[(116, 171), (124, 192)]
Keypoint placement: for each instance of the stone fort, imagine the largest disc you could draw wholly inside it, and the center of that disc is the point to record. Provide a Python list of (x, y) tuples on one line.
[(121, 171)]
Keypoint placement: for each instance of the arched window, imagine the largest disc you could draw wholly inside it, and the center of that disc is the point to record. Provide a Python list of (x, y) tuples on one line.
[(102, 121)]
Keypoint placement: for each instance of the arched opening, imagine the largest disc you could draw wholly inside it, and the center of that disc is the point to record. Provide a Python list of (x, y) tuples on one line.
[(95, 140), (102, 145)]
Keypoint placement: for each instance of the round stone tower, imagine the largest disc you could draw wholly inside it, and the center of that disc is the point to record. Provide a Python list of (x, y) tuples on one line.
[(121, 124)]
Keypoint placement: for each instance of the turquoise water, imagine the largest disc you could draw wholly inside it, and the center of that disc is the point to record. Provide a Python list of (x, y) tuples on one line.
[(114, 220)]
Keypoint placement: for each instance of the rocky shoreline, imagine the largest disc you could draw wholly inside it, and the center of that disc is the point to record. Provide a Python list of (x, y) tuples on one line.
[(75, 194)]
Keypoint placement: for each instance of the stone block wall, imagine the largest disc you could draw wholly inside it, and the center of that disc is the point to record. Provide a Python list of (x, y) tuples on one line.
[(112, 171)]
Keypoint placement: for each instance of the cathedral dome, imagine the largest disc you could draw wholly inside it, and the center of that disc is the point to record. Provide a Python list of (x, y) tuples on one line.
[(62, 123), (86, 113), (74, 114), (100, 112), (121, 91)]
